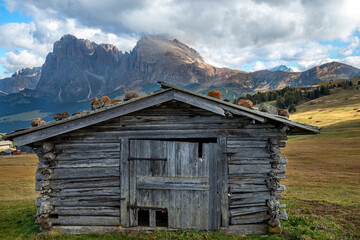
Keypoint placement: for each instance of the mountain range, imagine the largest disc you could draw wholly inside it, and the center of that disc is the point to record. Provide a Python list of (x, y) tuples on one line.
[(78, 70), (281, 68)]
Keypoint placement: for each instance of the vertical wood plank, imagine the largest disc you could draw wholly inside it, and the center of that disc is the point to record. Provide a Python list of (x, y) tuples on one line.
[(124, 182), (132, 184), (224, 182), (152, 220)]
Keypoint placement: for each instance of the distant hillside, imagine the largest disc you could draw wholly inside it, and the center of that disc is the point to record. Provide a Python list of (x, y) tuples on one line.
[(21, 79)]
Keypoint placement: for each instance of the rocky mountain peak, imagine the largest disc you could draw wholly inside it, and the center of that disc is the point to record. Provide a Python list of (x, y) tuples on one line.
[(281, 68), (72, 46), (151, 47)]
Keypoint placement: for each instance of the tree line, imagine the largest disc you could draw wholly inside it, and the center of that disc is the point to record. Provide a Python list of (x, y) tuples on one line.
[(288, 97)]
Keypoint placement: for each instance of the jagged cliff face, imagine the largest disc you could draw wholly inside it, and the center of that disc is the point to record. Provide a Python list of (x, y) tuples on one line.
[(79, 69), (21, 79), (76, 69)]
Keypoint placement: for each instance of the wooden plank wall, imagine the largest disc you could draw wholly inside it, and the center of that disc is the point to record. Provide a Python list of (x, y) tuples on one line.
[(82, 184), (254, 169)]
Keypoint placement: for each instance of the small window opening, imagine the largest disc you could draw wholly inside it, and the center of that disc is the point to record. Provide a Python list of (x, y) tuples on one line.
[(161, 218), (200, 150), (143, 218)]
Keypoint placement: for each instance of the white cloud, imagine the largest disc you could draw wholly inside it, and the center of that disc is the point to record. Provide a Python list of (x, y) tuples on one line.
[(258, 66), (352, 60), (20, 59), (226, 33), (354, 44)]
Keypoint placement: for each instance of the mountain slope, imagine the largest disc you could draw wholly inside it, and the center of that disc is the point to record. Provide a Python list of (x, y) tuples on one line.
[(21, 79), (79, 69), (281, 68)]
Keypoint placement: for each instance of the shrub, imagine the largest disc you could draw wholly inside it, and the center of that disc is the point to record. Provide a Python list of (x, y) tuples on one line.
[(292, 108), (215, 94), (131, 95)]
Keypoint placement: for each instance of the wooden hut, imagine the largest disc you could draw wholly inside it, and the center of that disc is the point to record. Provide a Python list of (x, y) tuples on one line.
[(172, 159)]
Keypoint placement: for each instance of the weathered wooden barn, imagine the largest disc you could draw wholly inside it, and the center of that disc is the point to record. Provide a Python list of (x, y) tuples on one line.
[(172, 159)]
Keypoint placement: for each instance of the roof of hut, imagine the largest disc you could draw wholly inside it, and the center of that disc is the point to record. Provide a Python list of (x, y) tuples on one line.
[(167, 93)]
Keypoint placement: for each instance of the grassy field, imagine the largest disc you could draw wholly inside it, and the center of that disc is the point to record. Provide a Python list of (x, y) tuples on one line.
[(25, 116), (322, 186)]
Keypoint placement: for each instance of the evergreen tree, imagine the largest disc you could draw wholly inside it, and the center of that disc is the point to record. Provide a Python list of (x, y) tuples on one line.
[(280, 102), (322, 90), (316, 93), (292, 108)]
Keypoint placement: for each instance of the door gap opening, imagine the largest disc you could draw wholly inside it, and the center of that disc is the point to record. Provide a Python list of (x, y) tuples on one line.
[(162, 218), (143, 218)]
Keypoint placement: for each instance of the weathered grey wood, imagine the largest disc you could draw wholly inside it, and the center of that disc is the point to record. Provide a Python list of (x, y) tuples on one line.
[(200, 103), (223, 181), (247, 144), (86, 220), (90, 201), (248, 169), (182, 169), (81, 192), (98, 116), (93, 163), (124, 182), (152, 220), (214, 170), (168, 126), (249, 196), (247, 229), (174, 183), (153, 134), (132, 184), (80, 183), (244, 205), (88, 147), (237, 179), (86, 156), (246, 114), (173, 186), (213, 106), (47, 147), (251, 218), (249, 161), (88, 211), (84, 229), (246, 210), (238, 187), (283, 215), (69, 173)]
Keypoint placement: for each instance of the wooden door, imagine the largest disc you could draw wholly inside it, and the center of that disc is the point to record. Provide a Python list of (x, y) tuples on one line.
[(172, 178)]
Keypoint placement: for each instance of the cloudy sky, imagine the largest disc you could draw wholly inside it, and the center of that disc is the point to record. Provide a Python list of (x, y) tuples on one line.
[(248, 35)]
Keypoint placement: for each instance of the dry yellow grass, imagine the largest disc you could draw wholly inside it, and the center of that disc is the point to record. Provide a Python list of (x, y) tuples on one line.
[(324, 170), (341, 105), (326, 167), (17, 177)]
